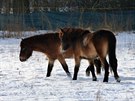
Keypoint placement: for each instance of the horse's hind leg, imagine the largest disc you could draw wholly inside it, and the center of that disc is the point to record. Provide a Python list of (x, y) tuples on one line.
[(113, 64), (50, 66), (106, 66), (64, 64)]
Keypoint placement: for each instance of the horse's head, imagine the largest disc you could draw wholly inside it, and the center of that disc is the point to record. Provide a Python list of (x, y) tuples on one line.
[(65, 39), (26, 50)]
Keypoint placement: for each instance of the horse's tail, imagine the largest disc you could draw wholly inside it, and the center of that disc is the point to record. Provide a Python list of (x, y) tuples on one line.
[(112, 51), (97, 64)]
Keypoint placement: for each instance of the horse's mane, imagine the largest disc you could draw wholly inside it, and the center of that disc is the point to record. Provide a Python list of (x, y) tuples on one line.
[(75, 33), (41, 38)]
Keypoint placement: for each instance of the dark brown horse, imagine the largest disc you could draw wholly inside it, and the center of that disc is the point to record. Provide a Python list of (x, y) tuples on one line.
[(91, 45), (50, 45)]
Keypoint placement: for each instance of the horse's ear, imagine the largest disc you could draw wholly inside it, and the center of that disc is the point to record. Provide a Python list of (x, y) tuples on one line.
[(86, 40), (61, 32)]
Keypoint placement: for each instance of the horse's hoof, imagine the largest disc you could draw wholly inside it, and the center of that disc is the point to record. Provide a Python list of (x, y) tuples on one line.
[(94, 79), (69, 74), (74, 78), (105, 80), (87, 73), (118, 79), (48, 75)]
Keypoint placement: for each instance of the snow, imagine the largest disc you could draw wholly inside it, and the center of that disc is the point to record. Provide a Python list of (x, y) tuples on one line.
[(27, 81)]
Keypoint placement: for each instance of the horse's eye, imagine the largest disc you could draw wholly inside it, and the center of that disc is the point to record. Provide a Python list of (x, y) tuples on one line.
[(23, 49)]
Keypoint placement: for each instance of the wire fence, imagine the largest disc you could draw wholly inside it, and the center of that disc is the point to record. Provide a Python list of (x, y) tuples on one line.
[(51, 20)]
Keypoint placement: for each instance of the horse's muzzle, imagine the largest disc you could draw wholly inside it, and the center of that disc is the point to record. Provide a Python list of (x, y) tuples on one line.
[(22, 59)]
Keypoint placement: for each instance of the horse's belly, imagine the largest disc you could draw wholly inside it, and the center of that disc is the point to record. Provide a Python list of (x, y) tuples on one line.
[(89, 53)]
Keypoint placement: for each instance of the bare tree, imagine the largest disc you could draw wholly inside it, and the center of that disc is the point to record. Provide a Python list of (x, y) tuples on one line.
[(21, 6), (5, 6), (1, 5)]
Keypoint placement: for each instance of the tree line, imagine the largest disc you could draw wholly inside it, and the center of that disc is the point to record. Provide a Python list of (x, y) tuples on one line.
[(27, 6)]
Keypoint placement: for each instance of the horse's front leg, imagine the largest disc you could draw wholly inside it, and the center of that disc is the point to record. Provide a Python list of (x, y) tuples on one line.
[(97, 64), (92, 69), (50, 67), (64, 64), (88, 70), (76, 69)]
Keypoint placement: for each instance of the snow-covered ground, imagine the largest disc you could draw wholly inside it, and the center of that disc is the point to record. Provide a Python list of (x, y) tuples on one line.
[(27, 81)]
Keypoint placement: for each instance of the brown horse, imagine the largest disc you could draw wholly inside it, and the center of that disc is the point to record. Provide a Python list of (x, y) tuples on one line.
[(50, 45), (91, 45)]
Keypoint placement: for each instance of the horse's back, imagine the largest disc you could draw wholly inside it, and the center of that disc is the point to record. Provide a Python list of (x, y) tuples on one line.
[(42, 38), (106, 34), (75, 32), (50, 37)]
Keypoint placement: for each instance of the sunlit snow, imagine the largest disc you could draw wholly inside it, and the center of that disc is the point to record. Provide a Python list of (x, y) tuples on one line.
[(27, 81)]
